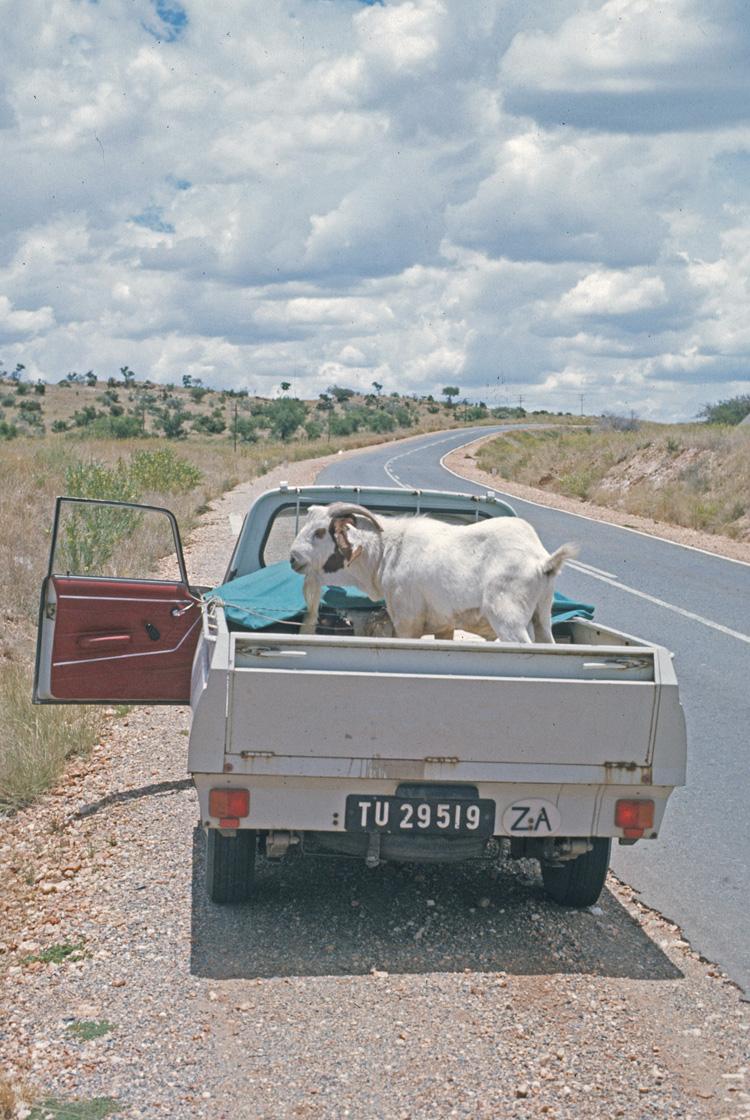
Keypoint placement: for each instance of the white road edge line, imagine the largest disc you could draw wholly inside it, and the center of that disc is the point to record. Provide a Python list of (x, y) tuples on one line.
[(625, 528), (670, 606), (589, 569)]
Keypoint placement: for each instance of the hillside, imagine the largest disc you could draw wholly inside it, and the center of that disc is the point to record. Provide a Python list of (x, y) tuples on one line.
[(693, 475), (125, 408)]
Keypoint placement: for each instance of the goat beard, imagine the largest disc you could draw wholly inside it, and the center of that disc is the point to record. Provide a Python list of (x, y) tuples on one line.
[(312, 589)]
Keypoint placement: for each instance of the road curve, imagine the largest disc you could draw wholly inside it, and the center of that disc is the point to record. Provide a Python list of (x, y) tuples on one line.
[(697, 605)]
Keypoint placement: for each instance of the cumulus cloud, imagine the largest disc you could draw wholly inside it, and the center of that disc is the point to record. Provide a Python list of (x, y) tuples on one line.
[(522, 197), (614, 293)]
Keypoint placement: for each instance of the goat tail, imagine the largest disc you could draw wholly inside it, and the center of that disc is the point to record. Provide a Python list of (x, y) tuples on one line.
[(555, 561)]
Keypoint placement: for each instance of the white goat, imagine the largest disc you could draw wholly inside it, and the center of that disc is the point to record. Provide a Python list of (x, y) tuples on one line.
[(493, 577)]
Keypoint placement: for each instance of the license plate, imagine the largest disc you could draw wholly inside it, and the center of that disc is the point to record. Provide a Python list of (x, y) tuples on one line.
[(416, 816)]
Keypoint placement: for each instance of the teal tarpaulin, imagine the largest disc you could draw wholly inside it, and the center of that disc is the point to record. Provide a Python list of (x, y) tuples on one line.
[(275, 593)]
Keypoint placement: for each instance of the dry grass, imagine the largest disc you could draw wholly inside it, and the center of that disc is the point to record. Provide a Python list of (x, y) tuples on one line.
[(15, 1099), (693, 475)]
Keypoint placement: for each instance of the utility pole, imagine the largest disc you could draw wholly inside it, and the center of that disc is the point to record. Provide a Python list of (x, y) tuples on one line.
[(520, 400), (235, 426), (581, 398)]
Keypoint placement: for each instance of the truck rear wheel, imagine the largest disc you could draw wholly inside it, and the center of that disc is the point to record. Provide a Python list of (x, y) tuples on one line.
[(579, 882), (230, 865)]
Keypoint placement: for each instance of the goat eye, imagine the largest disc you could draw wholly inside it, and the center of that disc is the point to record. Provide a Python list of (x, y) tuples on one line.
[(319, 533)]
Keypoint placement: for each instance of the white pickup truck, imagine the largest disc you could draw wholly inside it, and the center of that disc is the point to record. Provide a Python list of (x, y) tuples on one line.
[(339, 743)]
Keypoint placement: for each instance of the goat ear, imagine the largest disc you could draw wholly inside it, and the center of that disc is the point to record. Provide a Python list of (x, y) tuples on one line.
[(339, 527)]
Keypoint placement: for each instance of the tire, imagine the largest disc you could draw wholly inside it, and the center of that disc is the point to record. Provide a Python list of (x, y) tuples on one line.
[(579, 882), (230, 865)]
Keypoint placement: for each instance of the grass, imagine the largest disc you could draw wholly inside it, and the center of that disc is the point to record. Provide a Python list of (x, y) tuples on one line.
[(691, 475), (94, 1109), (36, 740), (56, 954), (85, 1030), (15, 1099)]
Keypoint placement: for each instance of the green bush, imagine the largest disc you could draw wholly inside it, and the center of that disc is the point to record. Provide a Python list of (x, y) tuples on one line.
[(29, 407), (90, 534), (212, 424), (380, 422), (285, 416), (162, 470), (342, 425), (246, 429), (731, 411)]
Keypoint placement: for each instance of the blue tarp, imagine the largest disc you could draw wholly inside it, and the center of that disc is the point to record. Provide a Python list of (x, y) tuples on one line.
[(275, 593)]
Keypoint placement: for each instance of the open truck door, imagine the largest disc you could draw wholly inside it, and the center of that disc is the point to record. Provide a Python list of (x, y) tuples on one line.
[(105, 636)]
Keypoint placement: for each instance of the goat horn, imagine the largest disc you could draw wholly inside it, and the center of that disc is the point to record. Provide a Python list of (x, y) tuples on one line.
[(342, 509)]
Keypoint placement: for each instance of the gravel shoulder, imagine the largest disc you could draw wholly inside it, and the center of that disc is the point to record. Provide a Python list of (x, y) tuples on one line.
[(463, 463), (402, 992)]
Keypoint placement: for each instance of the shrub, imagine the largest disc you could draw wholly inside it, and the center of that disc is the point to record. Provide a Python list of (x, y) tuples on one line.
[(342, 425), (730, 411), (82, 417), (90, 533), (246, 429), (162, 470), (402, 415), (285, 416), (212, 425), (380, 422), (171, 420), (340, 393)]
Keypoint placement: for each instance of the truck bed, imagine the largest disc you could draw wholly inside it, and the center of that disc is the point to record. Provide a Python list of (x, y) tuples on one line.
[(583, 710)]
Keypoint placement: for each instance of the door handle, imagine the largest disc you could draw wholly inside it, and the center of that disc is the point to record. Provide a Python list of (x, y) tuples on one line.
[(102, 641)]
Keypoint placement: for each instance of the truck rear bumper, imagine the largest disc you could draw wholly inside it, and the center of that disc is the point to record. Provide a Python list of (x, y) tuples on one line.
[(318, 805)]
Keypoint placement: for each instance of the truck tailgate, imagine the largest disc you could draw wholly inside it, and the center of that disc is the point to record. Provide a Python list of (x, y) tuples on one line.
[(335, 707)]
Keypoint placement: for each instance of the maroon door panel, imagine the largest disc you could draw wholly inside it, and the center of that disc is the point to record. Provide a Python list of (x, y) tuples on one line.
[(126, 640)]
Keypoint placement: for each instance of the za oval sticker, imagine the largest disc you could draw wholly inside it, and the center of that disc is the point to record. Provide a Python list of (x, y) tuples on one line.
[(531, 817)]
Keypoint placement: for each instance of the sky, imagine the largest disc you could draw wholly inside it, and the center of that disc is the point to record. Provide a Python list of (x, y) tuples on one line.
[(536, 200)]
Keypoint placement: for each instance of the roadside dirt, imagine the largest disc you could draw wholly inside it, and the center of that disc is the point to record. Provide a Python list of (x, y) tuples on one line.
[(463, 463), (400, 993)]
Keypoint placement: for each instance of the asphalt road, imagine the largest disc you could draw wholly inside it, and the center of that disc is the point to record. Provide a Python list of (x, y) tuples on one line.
[(698, 606)]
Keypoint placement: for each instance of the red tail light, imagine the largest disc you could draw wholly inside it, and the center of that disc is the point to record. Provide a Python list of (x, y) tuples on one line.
[(229, 805), (634, 817)]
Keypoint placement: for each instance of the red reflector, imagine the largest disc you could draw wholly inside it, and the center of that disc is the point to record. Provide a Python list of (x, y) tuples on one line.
[(229, 803), (634, 814), (229, 822)]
